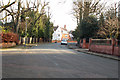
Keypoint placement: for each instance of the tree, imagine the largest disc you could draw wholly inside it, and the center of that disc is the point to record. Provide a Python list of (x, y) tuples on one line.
[(82, 9), (88, 27), (78, 11), (109, 27), (1, 23), (48, 28), (75, 34), (102, 20), (39, 27), (4, 7), (21, 11)]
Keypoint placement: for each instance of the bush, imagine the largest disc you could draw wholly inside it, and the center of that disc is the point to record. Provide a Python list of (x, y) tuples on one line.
[(9, 37)]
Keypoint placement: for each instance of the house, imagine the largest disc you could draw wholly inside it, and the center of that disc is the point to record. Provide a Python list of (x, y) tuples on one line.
[(71, 36), (60, 33), (57, 33)]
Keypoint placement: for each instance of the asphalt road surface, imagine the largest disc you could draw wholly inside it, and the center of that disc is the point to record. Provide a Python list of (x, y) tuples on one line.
[(55, 61)]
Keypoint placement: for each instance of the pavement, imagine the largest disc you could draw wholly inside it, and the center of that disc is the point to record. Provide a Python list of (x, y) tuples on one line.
[(53, 60), (74, 47)]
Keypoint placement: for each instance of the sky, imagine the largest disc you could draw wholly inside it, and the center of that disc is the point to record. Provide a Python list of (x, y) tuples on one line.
[(61, 12)]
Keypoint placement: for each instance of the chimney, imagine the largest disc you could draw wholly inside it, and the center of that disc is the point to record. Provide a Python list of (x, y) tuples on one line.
[(65, 26)]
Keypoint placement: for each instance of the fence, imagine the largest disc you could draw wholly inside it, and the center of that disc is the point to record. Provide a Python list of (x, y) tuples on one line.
[(29, 40)]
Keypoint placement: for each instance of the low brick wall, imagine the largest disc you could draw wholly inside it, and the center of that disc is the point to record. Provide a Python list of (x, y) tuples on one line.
[(7, 45), (107, 47), (53, 41), (86, 45), (117, 50), (101, 48), (72, 41)]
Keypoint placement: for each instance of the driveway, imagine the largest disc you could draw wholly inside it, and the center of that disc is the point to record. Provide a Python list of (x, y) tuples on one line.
[(53, 60)]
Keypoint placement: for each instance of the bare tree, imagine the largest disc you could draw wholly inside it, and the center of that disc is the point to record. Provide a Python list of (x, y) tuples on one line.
[(4, 7), (82, 9), (111, 27)]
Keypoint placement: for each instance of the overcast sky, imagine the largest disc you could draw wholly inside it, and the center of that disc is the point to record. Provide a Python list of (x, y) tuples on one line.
[(61, 12)]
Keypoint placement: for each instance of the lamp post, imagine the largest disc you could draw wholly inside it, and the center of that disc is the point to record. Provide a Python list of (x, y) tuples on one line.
[(26, 30)]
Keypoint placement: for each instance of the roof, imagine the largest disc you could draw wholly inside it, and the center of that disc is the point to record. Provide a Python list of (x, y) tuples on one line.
[(55, 28)]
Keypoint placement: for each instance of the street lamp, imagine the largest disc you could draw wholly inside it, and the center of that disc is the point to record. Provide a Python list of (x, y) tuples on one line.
[(26, 31)]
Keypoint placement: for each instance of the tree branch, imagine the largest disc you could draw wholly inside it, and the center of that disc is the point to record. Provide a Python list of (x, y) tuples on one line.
[(6, 6)]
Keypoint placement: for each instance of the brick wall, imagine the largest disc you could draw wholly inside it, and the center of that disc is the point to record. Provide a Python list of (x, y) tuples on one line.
[(7, 45), (105, 46), (112, 48)]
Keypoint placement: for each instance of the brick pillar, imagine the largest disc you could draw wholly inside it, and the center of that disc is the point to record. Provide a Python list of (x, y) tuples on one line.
[(113, 44), (116, 42), (90, 42), (80, 43), (39, 40), (84, 43)]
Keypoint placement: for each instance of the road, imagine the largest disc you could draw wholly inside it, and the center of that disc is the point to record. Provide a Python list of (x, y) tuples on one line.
[(55, 61)]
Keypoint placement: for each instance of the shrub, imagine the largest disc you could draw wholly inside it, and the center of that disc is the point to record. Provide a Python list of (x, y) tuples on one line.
[(9, 37)]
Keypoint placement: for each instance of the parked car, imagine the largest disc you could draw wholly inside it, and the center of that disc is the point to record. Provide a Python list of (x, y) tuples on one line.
[(64, 42)]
